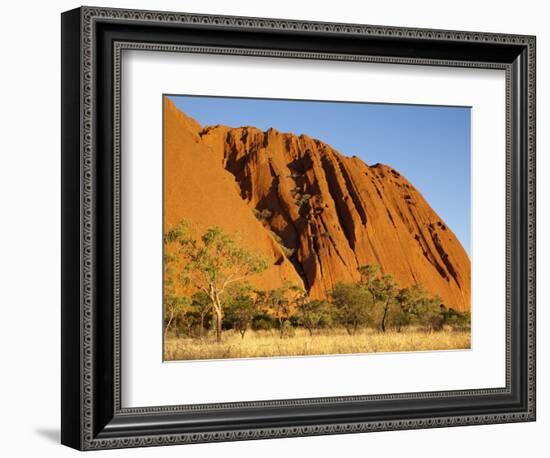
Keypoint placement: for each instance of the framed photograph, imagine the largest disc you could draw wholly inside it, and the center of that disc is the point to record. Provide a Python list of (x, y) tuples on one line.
[(276, 228)]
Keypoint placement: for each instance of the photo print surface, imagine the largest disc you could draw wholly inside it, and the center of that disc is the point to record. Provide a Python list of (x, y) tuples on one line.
[(302, 228)]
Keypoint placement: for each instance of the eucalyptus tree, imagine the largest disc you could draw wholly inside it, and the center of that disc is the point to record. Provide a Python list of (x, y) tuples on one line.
[(211, 263)]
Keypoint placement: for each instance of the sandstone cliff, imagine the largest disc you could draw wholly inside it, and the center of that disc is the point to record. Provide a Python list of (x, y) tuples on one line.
[(315, 213)]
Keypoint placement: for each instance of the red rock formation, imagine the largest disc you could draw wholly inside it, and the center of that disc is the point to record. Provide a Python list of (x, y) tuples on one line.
[(197, 188), (334, 213)]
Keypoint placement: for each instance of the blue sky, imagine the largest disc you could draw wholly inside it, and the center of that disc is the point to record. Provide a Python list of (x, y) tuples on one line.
[(430, 145)]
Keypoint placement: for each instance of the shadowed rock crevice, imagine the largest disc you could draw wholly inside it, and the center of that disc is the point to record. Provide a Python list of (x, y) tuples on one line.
[(353, 193), (444, 256), (339, 197), (289, 234)]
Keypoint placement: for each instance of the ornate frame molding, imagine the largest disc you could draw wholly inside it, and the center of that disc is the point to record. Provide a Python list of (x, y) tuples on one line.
[(89, 436)]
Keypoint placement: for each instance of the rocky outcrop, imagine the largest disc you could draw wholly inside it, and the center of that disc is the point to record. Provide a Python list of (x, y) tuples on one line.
[(197, 188), (316, 213)]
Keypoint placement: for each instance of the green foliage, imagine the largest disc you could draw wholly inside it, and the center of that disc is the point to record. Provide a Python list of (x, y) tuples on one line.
[(400, 315), (212, 262), (278, 303), (277, 237), (429, 312), (201, 306), (288, 252), (352, 306), (201, 301), (263, 322), (175, 308), (188, 325), (287, 330), (240, 312), (263, 215), (421, 309), (298, 295), (458, 321), (302, 200), (383, 291), (368, 273), (315, 314)]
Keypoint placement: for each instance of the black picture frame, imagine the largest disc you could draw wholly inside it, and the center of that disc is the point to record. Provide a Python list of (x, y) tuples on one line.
[(92, 40)]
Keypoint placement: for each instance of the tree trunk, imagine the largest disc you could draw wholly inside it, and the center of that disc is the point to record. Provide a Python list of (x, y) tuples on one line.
[(219, 319), (218, 315), (383, 322), (169, 323)]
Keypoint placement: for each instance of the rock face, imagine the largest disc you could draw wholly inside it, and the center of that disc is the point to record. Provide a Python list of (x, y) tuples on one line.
[(315, 213)]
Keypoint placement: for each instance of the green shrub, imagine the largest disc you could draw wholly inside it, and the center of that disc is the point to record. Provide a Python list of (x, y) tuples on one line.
[(263, 215), (263, 322)]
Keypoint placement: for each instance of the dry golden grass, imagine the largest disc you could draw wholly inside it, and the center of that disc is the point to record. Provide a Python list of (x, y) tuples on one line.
[(269, 344)]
